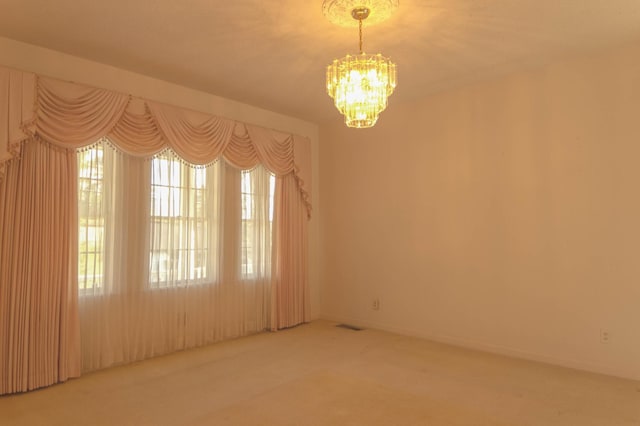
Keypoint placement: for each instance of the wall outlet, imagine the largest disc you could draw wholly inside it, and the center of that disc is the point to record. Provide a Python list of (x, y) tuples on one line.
[(375, 305), (605, 336)]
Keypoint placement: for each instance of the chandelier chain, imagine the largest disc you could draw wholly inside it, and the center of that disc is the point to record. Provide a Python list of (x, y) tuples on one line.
[(360, 32)]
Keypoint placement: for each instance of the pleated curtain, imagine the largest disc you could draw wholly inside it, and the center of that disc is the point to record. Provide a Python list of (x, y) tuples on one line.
[(39, 331), (43, 124)]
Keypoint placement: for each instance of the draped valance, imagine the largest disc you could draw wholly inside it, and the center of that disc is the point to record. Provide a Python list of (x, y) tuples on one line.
[(71, 116)]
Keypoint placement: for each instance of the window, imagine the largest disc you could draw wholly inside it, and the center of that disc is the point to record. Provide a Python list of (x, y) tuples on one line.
[(91, 220), (179, 225), (193, 225), (257, 191)]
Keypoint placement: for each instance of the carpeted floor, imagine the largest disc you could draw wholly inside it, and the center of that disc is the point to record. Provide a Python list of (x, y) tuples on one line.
[(318, 374)]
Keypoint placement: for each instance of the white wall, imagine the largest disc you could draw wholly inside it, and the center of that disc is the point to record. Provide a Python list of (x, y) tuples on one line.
[(58, 65), (503, 216)]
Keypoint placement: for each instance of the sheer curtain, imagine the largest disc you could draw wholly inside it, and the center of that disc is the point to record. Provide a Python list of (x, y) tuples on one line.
[(171, 255)]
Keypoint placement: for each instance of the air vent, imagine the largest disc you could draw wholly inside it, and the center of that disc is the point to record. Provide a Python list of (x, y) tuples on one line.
[(349, 327)]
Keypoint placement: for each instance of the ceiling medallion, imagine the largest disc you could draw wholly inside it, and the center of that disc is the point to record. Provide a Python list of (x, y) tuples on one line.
[(338, 12), (360, 84)]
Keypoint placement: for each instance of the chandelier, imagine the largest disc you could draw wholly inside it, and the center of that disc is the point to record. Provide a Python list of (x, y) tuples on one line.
[(360, 84)]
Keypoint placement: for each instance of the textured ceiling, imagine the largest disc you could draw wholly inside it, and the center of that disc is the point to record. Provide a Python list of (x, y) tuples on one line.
[(273, 54)]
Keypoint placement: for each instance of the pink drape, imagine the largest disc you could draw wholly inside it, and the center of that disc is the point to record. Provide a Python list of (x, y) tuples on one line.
[(39, 331), (17, 93), (290, 295), (68, 116)]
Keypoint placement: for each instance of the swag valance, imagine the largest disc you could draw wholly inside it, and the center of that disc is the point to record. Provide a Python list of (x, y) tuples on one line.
[(71, 115)]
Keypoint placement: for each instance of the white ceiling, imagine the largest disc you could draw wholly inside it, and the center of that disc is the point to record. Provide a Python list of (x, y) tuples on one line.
[(273, 54)]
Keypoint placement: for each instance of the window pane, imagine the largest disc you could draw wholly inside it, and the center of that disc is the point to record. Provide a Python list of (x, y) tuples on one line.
[(91, 221), (179, 242), (257, 190), (166, 185)]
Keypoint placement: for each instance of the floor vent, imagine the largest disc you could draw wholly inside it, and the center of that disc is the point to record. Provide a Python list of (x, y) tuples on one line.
[(349, 327)]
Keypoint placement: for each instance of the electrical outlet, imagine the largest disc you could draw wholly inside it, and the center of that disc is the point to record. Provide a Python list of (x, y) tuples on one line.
[(605, 336), (376, 304)]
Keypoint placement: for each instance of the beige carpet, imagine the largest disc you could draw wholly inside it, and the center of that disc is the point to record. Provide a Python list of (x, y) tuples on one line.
[(317, 374)]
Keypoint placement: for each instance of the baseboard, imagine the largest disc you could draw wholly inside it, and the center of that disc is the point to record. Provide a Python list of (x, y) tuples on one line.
[(485, 347)]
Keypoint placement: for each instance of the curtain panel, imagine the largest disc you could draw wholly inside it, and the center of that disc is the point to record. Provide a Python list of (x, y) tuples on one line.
[(61, 117), (39, 331)]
